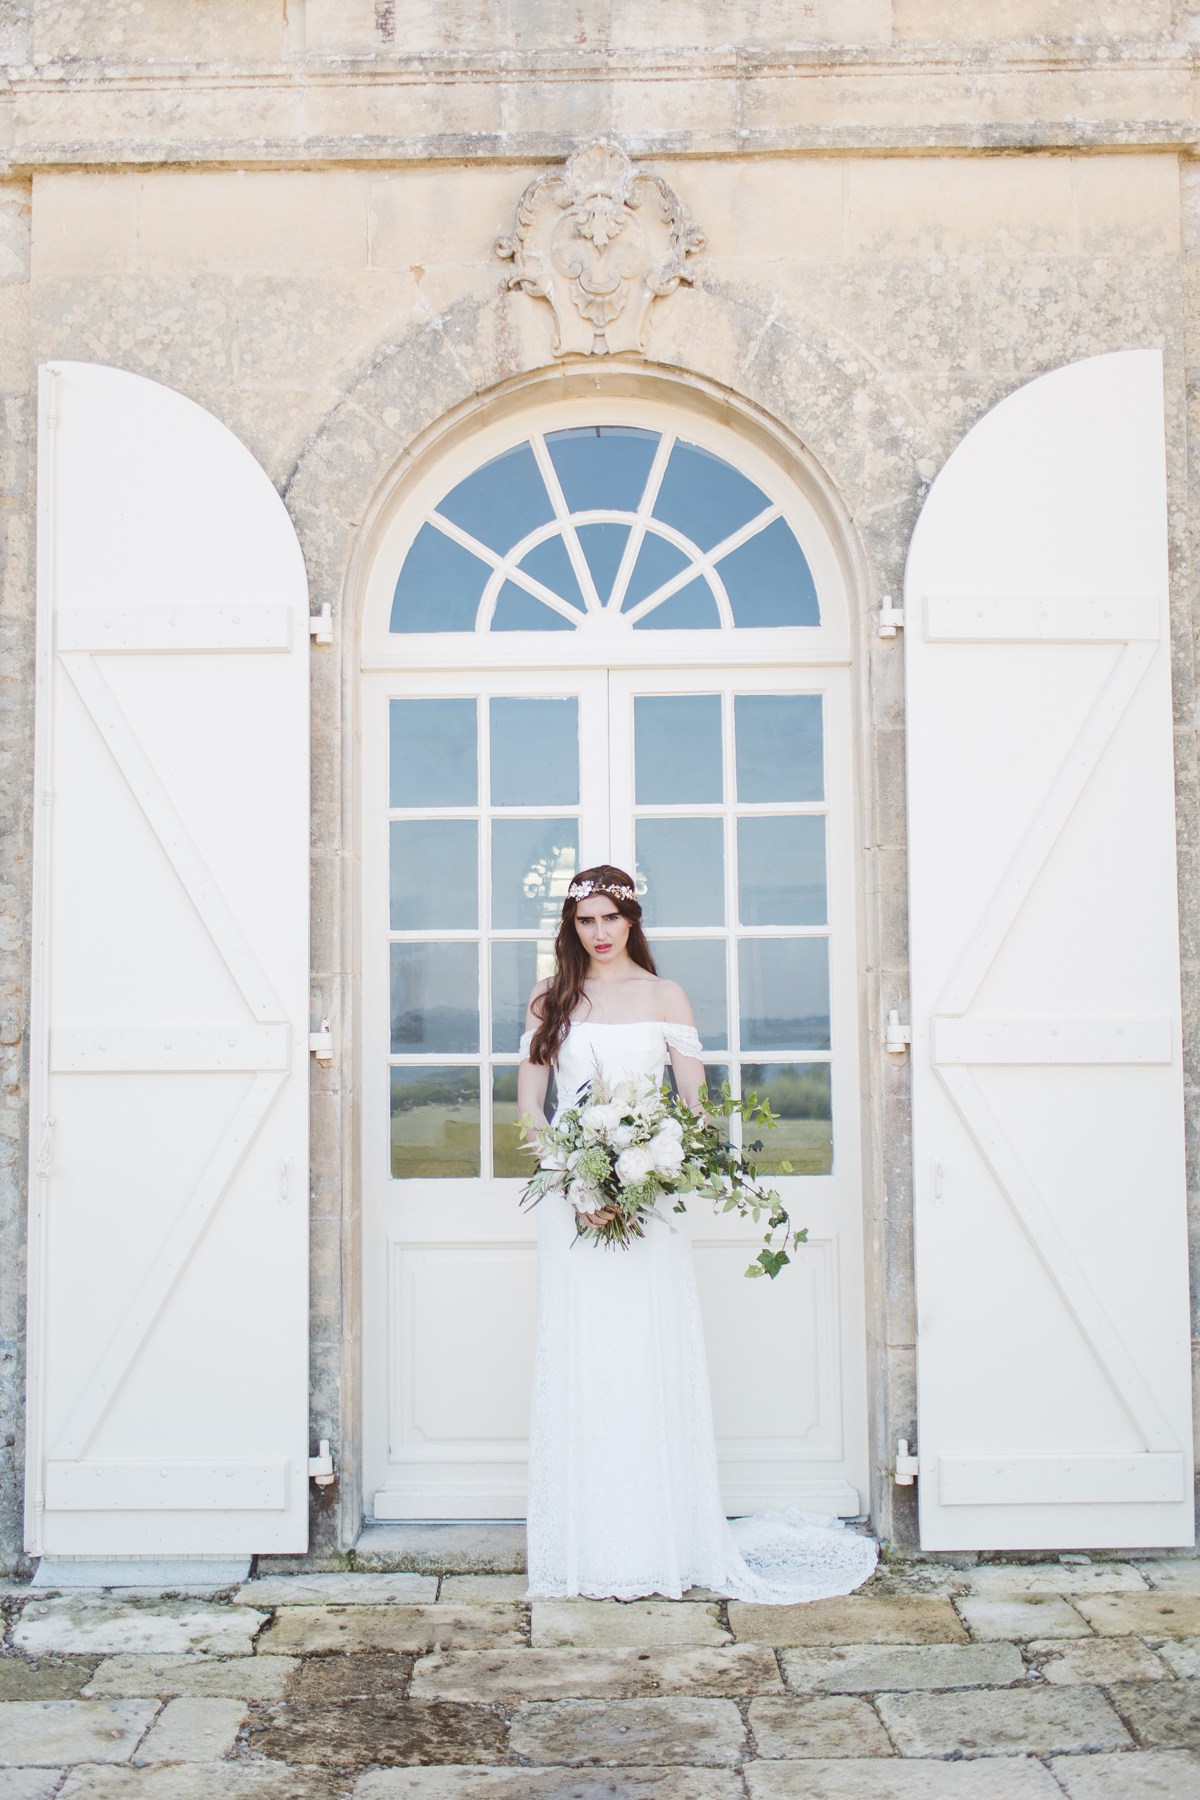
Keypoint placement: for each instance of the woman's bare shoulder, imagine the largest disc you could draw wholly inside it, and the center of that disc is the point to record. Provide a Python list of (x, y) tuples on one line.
[(674, 1006)]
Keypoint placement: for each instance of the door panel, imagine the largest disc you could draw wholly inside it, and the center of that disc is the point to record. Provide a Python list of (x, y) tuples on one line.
[(1054, 1383)]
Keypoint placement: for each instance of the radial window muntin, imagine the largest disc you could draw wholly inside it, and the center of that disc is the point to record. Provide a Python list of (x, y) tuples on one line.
[(603, 612)]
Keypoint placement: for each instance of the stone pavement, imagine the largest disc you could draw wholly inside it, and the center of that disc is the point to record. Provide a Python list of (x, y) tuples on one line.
[(931, 1683)]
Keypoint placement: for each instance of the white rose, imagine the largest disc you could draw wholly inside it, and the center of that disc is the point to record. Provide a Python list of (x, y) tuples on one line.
[(633, 1164), (622, 1137), (585, 1199), (670, 1128), (600, 1119), (666, 1154), (624, 1094)]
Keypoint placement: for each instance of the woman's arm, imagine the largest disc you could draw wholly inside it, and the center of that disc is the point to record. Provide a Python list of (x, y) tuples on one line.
[(533, 1078), (689, 1070)]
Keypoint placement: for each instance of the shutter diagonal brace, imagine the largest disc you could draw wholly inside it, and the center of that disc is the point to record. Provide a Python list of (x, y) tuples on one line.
[(982, 947)]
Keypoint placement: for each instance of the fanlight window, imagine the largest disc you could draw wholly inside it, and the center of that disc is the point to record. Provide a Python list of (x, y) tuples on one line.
[(604, 523)]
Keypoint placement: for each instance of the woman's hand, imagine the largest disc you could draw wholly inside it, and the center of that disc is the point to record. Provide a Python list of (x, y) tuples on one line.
[(597, 1219)]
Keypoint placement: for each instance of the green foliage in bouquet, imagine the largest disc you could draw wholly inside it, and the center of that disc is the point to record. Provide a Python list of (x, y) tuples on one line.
[(624, 1147)]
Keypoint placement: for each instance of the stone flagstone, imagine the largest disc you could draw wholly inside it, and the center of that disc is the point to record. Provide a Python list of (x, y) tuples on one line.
[(1004, 1581), (550, 1784), (82, 1623), (55, 1678), (31, 1784), (854, 1621), (46, 1732), (1154, 1775), (1000, 1723), (638, 1623), (678, 1730), (389, 1730), (1014, 1779), (193, 1730), (337, 1590), (820, 1725), (1155, 1615), (228, 1677), (1174, 1575), (1181, 1655), (866, 1668), (204, 1781), (1024, 1616), (513, 1675), (1162, 1716), (320, 1628), (460, 1588), (1066, 1661)]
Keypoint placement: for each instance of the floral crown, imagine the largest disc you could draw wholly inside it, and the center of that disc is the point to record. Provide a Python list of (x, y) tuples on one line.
[(579, 890)]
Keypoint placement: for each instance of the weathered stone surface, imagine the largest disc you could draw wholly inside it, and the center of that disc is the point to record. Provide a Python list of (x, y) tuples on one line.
[(435, 1549), (51, 1678), (1181, 1655), (820, 1725), (1174, 1574), (852, 1621), (86, 1622), (987, 1723), (1014, 1779), (232, 1677), (1067, 1661), (67, 1731), (1155, 1775), (1142, 1615), (512, 1675), (318, 1628), (340, 1590), (193, 1730), (1165, 1716), (679, 1730), (1003, 1581), (204, 1781), (457, 1590), (866, 1668), (365, 1677), (1026, 1616), (31, 1784), (549, 1784), (641, 1623), (388, 1731)]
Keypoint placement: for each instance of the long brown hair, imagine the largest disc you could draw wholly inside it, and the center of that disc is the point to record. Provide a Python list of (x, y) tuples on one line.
[(556, 1005)]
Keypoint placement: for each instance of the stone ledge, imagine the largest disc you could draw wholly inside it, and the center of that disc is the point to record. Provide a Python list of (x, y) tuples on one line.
[(472, 1548)]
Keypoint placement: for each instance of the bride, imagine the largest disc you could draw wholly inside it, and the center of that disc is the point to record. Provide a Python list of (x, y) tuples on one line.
[(623, 1494)]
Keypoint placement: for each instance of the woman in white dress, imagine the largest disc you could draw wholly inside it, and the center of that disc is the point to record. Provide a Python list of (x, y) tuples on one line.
[(623, 1493)]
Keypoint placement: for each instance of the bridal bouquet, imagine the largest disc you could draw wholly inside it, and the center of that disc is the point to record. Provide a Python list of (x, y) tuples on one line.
[(623, 1148)]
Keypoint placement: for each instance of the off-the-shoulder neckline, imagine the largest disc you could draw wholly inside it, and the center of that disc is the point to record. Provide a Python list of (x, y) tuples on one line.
[(613, 1023)]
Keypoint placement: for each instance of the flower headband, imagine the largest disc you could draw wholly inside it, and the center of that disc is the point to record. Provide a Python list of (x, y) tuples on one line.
[(580, 890)]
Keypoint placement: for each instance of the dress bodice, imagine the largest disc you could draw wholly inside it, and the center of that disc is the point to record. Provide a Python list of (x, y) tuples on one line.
[(621, 1052)]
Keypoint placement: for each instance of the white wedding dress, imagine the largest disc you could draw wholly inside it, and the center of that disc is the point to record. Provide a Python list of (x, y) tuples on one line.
[(623, 1495)]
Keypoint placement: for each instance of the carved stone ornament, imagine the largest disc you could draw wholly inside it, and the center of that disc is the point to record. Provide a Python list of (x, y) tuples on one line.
[(601, 241)]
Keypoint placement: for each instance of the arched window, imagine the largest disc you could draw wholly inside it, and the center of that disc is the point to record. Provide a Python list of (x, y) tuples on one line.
[(640, 529)]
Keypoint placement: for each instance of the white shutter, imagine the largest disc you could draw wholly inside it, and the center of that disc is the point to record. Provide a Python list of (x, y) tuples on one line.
[(1051, 1254), (169, 1165)]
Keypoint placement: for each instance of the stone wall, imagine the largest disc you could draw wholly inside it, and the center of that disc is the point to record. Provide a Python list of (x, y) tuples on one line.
[(288, 214)]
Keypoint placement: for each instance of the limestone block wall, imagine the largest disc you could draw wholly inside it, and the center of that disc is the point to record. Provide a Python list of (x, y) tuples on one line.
[(288, 213)]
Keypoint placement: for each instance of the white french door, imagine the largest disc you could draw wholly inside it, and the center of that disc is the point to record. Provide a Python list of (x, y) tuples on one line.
[(728, 792)]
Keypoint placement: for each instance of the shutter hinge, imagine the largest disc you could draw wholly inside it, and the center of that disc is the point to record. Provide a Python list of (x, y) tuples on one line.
[(890, 617), (897, 1037), (320, 1467), (907, 1467), (320, 625), (320, 1043)]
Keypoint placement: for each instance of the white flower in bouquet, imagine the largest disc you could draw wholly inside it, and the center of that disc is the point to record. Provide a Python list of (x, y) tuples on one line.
[(600, 1119), (633, 1165), (669, 1128), (625, 1094), (665, 1153), (585, 1198), (622, 1137)]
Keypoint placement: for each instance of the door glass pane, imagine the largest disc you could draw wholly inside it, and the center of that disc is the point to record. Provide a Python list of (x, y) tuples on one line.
[(784, 993), (800, 1094), (704, 497), (778, 741), (433, 753), (781, 870), (603, 546), (698, 965), (692, 608), (682, 862), (517, 609), (532, 864), (435, 997), (549, 563), (535, 752), (435, 876), (677, 749), (657, 561), (502, 502), (435, 1122), (515, 969), (440, 585), (509, 1158), (768, 580), (602, 465)]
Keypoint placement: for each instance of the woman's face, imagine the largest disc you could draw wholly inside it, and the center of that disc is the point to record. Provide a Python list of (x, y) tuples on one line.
[(603, 929)]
